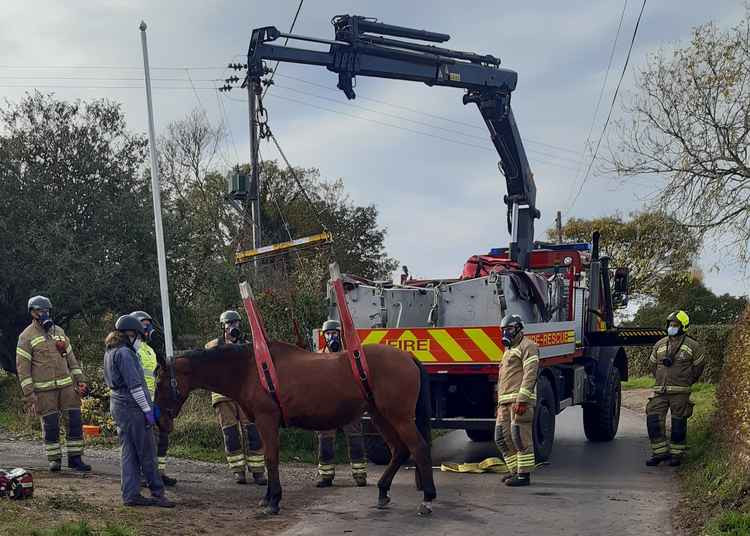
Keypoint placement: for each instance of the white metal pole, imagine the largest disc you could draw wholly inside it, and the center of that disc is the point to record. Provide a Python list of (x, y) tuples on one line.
[(156, 191)]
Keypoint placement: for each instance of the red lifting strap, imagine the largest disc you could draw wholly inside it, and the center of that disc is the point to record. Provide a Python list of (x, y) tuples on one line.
[(266, 369), (353, 345)]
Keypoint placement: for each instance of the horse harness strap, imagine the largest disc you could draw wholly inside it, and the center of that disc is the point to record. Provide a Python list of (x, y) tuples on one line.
[(356, 354), (263, 361)]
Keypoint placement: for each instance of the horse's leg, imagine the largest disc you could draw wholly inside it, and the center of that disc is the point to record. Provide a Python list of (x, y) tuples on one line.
[(409, 434), (399, 454), (268, 428)]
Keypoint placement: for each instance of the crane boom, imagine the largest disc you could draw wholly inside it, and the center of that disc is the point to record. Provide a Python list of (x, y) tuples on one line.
[(355, 51)]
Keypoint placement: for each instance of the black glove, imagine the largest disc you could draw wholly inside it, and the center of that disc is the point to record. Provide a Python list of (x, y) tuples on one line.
[(667, 362)]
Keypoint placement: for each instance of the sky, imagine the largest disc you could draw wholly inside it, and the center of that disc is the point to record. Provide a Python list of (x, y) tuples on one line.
[(417, 153)]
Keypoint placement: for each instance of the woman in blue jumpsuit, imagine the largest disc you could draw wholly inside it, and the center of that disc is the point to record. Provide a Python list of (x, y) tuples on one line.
[(133, 412)]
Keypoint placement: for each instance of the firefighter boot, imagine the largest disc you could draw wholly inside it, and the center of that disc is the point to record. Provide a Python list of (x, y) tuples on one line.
[(239, 477), (324, 482), (521, 479), (260, 478), (656, 459), (168, 480), (54, 466), (77, 464)]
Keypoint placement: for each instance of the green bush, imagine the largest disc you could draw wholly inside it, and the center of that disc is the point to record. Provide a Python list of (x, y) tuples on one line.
[(713, 339)]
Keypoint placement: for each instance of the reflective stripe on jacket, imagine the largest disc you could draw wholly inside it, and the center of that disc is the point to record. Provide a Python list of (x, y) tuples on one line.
[(688, 361), (41, 366), (518, 371)]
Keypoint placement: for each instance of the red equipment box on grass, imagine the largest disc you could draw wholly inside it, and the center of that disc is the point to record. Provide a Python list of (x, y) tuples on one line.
[(16, 484)]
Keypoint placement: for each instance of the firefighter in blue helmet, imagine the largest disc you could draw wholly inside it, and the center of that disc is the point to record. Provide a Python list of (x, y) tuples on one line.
[(133, 412)]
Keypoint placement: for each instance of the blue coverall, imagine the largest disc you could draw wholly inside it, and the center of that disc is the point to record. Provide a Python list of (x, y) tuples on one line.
[(124, 376)]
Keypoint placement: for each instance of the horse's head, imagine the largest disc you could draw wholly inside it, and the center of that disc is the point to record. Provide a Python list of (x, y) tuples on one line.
[(171, 392)]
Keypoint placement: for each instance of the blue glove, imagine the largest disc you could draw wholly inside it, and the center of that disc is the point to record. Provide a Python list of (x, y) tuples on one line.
[(157, 412), (150, 420)]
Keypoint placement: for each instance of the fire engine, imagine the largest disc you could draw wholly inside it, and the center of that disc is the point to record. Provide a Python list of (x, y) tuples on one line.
[(566, 293)]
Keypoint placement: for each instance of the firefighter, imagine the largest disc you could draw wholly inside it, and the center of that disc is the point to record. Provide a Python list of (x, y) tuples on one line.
[(134, 413), (149, 362), (353, 431), (233, 421), (679, 362), (516, 399), (52, 383)]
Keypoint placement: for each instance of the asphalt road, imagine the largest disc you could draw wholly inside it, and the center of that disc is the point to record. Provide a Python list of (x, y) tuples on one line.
[(587, 489)]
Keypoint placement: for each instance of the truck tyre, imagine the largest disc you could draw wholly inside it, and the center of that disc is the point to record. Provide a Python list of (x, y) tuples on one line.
[(544, 420), (601, 420), (481, 436), (377, 449)]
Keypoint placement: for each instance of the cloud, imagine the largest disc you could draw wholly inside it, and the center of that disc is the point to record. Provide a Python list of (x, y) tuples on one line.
[(440, 198)]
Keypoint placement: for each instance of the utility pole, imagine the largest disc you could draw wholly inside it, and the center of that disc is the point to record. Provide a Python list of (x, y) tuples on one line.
[(558, 226), (254, 167), (156, 194)]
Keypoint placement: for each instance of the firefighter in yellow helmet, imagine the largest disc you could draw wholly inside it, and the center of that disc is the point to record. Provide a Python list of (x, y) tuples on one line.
[(353, 431), (679, 362), (52, 383), (516, 398), (233, 421)]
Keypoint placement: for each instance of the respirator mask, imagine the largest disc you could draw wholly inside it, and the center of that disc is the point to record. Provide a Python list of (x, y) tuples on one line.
[(45, 321)]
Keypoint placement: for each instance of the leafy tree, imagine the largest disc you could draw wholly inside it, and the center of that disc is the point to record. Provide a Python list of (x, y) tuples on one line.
[(691, 295), (689, 125), (74, 212), (655, 247)]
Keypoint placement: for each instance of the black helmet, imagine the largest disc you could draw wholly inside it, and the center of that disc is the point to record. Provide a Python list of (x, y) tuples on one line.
[(129, 323), (39, 302), (141, 315), (511, 320), (229, 316)]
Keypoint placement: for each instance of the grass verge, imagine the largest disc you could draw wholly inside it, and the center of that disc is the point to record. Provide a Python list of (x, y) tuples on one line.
[(716, 492), (641, 382)]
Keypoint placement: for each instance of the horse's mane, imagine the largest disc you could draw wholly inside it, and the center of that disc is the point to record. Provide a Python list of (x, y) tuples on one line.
[(225, 350)]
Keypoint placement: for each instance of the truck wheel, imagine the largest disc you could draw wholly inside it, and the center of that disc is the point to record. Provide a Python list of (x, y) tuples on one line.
[(480, 436), (377, 450), (601, 420), (544, 420)]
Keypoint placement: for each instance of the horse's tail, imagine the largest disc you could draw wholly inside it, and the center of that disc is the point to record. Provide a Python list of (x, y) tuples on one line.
[(423, 412)]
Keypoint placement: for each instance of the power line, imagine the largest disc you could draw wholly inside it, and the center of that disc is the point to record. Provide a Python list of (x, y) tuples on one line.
[(97, 78), (111, 67), (421, 123), (294, 21), (421, 112), (612, 104), (57, 86), (407, 129), (225, 119), (604, 83)]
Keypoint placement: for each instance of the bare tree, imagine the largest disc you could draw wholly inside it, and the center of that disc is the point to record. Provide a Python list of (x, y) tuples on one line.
[(688, 124)]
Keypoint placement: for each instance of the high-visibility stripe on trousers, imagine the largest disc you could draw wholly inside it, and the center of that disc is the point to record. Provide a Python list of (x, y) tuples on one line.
[(514, 439)]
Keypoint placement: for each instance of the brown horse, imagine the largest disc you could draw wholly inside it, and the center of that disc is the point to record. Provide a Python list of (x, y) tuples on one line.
[(319, 392)]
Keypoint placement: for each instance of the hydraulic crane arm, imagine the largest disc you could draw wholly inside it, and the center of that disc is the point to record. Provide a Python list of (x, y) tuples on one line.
[(356, 52)]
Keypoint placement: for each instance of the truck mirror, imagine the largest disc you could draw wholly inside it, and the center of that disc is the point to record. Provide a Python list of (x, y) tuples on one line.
[(620, 293)]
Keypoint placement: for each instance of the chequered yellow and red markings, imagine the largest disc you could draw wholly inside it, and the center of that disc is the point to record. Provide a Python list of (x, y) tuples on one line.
[(455, 345)]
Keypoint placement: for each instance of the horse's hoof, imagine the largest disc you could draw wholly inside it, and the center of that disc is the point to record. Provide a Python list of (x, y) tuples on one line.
[(425, 509), (263, 503), (383, 502)]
